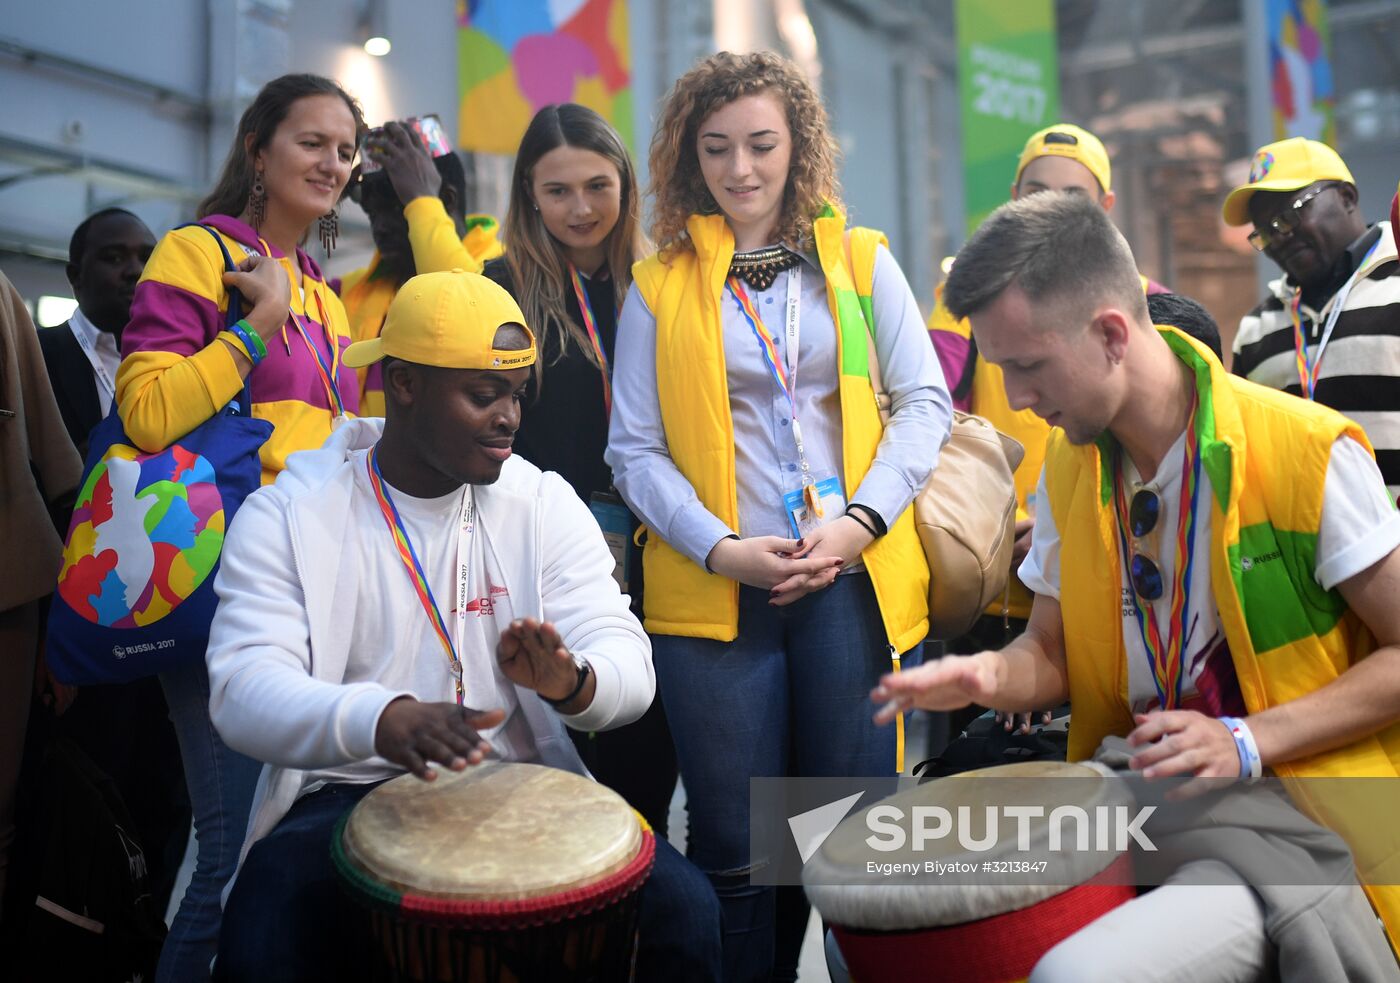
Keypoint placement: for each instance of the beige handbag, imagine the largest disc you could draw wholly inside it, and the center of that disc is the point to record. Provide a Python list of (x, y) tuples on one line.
[(966, 512)]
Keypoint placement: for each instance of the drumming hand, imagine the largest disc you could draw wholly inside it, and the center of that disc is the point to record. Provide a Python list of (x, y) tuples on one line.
[(1021, 722), (769, 561), (266, 290), (407, 162), (951, 683), (532, 654), (1183, 742), (412, 733)]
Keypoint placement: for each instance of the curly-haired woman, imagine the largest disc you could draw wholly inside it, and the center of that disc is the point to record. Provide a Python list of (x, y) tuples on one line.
[(782, 566)]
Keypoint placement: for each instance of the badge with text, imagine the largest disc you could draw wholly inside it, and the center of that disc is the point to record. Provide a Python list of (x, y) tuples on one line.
[(616, 522), (801, 516)]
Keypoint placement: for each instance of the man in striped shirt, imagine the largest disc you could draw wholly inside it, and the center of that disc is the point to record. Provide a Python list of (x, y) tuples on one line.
[(1329, 328)]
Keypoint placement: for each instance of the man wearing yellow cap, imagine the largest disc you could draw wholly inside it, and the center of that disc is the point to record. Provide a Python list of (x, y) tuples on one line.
[(1062, 157), (1329, 328), (415, 198), (407, 571)]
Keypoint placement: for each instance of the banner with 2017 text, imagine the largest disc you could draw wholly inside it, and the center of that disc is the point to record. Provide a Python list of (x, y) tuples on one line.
[(1009, 87)]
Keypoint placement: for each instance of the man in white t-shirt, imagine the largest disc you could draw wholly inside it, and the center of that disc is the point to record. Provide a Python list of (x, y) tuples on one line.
[(410, 570), (1291, 664)]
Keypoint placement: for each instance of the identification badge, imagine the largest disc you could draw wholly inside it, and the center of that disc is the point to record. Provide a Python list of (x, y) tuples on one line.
[(616, 522), (833, 503)]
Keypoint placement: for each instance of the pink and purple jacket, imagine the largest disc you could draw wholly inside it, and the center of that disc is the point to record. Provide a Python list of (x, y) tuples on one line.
[(175, 373)]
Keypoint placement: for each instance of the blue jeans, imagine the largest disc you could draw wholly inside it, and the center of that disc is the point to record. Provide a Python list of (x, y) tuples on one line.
[(287, 918), (789, 696), (221, 783)]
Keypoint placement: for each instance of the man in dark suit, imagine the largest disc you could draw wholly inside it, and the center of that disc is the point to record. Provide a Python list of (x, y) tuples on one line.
[(125, 729), (105, 258)]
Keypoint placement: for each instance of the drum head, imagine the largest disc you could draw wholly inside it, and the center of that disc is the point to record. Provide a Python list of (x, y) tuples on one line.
[(845, 891), (496, 831)]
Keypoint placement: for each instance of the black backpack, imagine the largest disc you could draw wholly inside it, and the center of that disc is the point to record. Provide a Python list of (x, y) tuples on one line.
[(83, 904), (986, 743)]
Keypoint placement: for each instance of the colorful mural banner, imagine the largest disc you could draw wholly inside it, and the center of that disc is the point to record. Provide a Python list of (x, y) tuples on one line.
[(515, 57), (1009, 87), (1300, 70)]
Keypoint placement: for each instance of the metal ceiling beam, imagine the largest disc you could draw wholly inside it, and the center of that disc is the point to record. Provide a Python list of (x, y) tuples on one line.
[(161, 94), (45, 161)]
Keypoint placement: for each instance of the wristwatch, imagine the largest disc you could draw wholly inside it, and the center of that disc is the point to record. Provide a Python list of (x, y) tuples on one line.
[(584, 671)]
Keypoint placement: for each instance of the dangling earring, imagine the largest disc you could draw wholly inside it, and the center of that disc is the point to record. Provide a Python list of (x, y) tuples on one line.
[(329, 227), (257, 201)]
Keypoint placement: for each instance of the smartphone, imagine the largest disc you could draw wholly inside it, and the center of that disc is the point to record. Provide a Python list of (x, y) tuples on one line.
[(429, 130)]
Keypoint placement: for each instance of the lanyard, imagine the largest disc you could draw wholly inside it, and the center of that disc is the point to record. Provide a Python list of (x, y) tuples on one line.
[(590, 324), (1166, 660), (104, 378), (327, 374), (784, 371), (1309, 366), (450, 641)]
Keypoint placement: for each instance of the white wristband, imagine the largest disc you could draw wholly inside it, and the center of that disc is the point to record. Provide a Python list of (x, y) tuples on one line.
[(1251, 766)]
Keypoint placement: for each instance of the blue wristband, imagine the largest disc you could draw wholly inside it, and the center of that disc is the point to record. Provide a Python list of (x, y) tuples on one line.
[(251, 350)]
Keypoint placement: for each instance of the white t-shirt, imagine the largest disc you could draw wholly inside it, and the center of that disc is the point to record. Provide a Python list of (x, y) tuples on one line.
[(1359, 527), (395, 644)]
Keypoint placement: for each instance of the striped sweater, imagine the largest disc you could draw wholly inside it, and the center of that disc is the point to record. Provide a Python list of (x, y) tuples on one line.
[(175, 374), (436, 247), (1360, 373)]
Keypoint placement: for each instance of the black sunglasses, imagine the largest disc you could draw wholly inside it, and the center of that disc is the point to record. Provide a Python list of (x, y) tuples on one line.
[(1282, 226), (1143, 513)]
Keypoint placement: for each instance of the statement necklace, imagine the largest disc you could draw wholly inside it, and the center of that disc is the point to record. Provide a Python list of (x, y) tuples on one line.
[(760, 267)]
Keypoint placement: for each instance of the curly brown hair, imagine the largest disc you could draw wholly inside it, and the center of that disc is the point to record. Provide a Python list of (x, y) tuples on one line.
[(678, 188)]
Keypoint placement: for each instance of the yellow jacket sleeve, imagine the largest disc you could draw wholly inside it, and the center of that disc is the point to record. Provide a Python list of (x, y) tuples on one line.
[(433, 236), (176, 373)]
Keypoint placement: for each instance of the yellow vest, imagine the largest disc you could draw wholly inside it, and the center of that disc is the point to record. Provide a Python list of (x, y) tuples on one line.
[(1266, 454), (684, 294)]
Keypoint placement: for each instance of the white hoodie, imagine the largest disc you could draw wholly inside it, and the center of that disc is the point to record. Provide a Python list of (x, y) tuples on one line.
[(280, 640)]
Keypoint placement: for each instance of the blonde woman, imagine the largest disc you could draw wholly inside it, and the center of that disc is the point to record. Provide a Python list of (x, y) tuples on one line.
[(783, 571)]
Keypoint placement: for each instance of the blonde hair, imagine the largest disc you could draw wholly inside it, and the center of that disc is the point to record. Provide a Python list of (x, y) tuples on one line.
[(537, 264), (677, 186)]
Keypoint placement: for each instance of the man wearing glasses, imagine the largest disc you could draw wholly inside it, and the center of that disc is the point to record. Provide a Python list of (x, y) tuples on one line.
[(1215, 567), (1329, 329)]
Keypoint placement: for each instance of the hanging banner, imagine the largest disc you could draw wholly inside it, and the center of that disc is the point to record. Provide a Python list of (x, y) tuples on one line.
[(1009, 87), (1300, 70), (514, 57)]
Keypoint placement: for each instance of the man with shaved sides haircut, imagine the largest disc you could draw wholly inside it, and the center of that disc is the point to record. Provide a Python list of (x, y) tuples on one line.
[(1267, 641), (1066, 158)]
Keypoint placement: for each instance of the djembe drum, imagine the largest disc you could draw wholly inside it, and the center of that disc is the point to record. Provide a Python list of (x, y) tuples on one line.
[(503, 873), (991, 931)]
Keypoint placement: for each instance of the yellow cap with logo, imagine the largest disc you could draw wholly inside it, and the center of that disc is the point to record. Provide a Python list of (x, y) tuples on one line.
[(1285, 166), (1068, 140), (447, 319)]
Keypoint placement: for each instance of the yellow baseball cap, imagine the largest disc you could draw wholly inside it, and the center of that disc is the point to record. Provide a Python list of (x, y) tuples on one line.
[(1068, 140), (447, 319), (1285, 166)]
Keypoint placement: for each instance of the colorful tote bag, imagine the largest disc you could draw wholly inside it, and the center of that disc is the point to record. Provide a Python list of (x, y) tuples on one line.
[(136, 591)]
